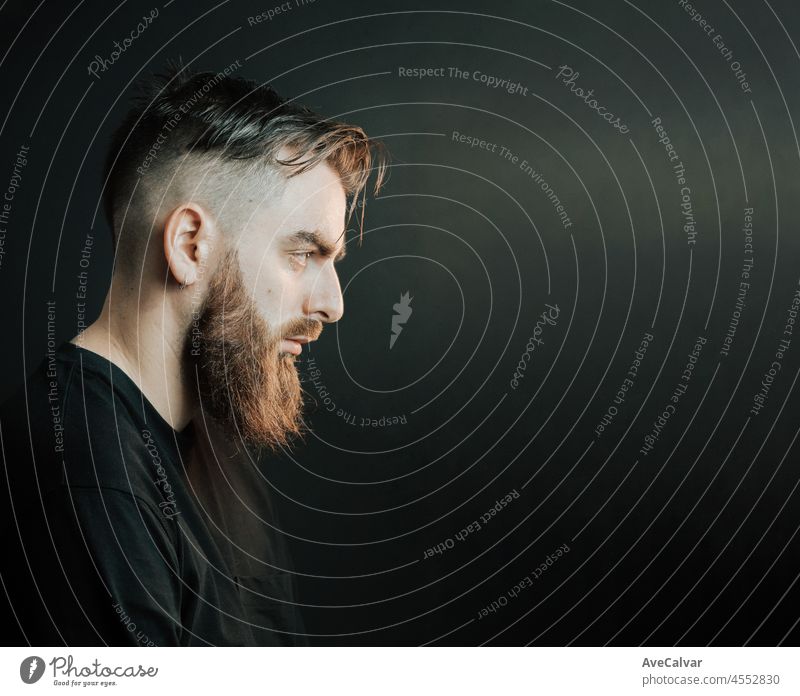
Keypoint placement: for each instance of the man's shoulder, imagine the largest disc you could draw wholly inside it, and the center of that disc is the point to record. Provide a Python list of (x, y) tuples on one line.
[(71, 424)]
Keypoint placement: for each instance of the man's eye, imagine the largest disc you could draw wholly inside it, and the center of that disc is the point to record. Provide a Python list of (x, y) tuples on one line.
[(301, 257)]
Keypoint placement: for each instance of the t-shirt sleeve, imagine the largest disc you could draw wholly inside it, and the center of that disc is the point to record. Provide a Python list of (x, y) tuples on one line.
[(112, 574)]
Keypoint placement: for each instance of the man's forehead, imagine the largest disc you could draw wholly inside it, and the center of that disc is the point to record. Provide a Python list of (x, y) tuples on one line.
[(318, 182), (306, 225), (308, 208)]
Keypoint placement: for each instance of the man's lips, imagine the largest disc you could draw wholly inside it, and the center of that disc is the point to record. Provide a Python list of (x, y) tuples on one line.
[(294, 345)]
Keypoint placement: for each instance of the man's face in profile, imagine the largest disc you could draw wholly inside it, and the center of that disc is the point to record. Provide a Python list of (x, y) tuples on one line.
[(276, 282)]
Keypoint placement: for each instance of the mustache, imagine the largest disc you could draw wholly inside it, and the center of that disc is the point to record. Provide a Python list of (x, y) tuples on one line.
[(302, 327)]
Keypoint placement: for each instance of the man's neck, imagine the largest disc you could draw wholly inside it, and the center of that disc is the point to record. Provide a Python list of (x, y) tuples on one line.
[(151, 359)]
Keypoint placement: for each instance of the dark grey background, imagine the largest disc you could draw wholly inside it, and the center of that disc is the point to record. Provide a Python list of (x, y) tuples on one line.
[(694, 543)]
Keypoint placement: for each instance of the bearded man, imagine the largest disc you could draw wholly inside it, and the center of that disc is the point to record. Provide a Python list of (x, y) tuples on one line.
[(135, 511)]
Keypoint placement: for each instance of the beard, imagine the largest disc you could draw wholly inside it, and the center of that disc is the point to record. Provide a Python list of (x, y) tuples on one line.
[(248, 386)]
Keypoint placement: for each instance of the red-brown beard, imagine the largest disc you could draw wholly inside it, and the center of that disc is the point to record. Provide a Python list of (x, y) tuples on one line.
[(247, 385)]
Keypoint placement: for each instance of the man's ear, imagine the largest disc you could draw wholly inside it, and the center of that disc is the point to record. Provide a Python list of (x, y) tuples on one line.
[(189, 234)]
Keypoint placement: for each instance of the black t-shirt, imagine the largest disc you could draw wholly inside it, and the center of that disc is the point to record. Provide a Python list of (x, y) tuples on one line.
[(115, 535)]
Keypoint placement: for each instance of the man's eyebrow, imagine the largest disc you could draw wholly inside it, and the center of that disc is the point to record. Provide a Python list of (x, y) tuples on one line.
[(315, 238)]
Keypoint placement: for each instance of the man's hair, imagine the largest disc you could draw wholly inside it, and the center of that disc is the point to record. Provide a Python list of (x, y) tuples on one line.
[(234, 127)]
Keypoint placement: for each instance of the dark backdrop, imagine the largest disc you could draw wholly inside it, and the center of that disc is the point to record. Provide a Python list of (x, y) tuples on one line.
[(680, 516)]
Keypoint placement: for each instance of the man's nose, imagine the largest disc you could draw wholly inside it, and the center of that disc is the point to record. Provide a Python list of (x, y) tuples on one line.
[(325, 301)]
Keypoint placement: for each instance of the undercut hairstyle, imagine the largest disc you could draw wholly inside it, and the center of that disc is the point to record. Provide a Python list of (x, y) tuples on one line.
[(205, 134)]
